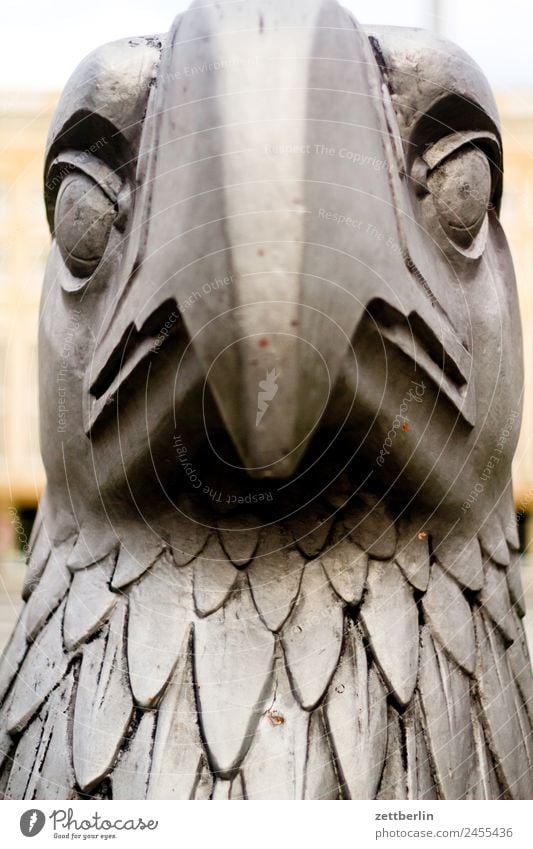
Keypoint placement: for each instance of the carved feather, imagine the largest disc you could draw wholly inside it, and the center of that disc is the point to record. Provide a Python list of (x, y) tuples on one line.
[(131, 773), (390, 619), (89, 602), (450, 618), (13, 654), (493, 540), (356, 714), (240, 537), (104, 703), (420, 781), (40, 547), (500, 703), (140, 547), (233, 661), (214, 577), (514, 582), (275, 577), (484, 782), (52, 775), (461, 557), (321, 779), (372, 527), (412, 553), (44, 666), (312, 636), (496, 600), (24, 760), (393, 783), (274, 766), (520, 665), (160, 613), (95, 541), (188, 530), (346, 566), (445, 691), (179, 767), (50, 591), (7, 751), (310, 529)]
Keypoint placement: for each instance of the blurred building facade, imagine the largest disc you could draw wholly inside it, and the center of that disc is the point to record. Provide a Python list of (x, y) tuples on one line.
[(24, 240), (516, 110)]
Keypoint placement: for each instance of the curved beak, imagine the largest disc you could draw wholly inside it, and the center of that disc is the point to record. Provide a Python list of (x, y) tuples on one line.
[(265, 202)]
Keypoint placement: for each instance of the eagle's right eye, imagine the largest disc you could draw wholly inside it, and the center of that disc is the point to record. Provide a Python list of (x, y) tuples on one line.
[(461, 188), (83, 219), (457, 182)]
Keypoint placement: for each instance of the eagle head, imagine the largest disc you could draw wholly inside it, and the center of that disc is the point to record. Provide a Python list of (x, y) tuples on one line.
[(276, 250)]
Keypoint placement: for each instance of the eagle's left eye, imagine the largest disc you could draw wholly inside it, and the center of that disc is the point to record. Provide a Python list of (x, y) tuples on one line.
[(83, 219), (461, 189)]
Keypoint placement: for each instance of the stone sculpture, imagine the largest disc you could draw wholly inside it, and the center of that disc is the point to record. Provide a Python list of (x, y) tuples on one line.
[(280, 361)]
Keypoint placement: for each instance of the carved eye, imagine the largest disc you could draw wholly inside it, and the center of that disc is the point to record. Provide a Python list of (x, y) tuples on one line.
[(83, 219), (461, 188)]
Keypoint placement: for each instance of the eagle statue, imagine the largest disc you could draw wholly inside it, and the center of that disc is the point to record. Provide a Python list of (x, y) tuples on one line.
[(280, 392)]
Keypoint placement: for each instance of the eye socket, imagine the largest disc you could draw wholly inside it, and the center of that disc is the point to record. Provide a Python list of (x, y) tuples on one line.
[(461, 188), (83, 219)]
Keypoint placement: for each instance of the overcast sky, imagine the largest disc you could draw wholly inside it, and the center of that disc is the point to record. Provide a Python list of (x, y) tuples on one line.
[(42, 41)]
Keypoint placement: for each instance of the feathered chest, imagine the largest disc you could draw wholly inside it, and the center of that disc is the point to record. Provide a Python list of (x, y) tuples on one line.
[(342, 653)]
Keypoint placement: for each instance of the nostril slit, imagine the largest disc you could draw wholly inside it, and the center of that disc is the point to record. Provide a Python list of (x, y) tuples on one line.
[(135, 345)]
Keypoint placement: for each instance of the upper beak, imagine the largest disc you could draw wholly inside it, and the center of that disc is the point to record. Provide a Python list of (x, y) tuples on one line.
[(264, 208)]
